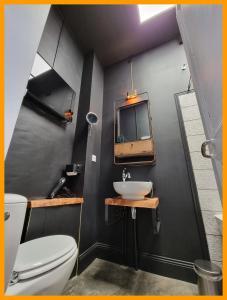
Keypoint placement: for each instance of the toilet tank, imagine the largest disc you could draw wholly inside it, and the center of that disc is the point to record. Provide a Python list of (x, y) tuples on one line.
[(14, 214)]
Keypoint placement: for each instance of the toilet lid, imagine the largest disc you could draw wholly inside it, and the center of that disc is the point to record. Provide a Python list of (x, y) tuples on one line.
[(43, 253)]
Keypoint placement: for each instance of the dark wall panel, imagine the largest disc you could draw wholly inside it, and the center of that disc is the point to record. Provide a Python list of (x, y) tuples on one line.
[(38, 153), (92, 169), (159, 73), (81, 133), (89, 143), (53, 220)]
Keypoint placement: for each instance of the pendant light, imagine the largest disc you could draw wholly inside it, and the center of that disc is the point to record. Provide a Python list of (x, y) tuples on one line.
[(133, 93)]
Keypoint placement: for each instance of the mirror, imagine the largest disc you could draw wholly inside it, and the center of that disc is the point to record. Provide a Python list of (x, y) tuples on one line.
[(91, 118), (48, 93), (133, 131), (133, 123)]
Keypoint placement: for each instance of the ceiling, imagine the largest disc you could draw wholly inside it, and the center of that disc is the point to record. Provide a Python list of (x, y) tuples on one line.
[(115, 33)]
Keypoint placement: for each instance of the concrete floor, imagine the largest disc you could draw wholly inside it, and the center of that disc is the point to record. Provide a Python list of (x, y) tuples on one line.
[(105, 278)]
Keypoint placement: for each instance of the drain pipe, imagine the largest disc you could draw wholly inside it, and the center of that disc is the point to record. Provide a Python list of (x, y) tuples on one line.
[(133, 214)]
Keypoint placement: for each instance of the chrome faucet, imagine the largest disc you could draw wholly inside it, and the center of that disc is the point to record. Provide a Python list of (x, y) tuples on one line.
[(125, 175)]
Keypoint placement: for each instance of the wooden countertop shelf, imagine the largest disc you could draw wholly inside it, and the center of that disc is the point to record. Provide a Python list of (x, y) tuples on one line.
[(54, 202), (146, 203)]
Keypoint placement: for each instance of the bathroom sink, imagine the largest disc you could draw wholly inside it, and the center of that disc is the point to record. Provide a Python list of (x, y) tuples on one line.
[(133, 190)]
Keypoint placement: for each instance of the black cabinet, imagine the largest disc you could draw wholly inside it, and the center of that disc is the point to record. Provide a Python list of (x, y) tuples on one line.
[(60, 51), (50, 37), (69, 60)]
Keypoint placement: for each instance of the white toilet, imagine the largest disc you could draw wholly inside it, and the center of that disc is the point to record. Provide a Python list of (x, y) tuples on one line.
[(38, 267)]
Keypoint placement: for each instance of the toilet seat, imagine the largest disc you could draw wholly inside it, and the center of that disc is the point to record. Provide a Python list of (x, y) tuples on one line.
[(43, 254)]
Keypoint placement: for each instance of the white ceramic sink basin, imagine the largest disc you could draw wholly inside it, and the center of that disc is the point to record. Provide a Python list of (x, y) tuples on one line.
[(133, 190)]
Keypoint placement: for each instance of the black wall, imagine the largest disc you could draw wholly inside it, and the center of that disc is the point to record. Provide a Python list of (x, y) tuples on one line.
[(88, 143), (40, 148), (92, 169), (172, 252)]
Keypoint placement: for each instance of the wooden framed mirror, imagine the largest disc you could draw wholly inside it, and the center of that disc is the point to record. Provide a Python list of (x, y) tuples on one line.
[(133, 139)]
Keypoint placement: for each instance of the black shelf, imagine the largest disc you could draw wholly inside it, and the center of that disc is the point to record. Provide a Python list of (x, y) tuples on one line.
[(42, 106)]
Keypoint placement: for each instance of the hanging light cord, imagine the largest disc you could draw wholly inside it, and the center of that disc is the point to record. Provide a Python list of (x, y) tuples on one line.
[(131, 78)]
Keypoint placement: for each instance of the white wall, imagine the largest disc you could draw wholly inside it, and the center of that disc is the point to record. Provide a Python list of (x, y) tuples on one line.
[(209, 199), (201, 31), (24, 25)]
